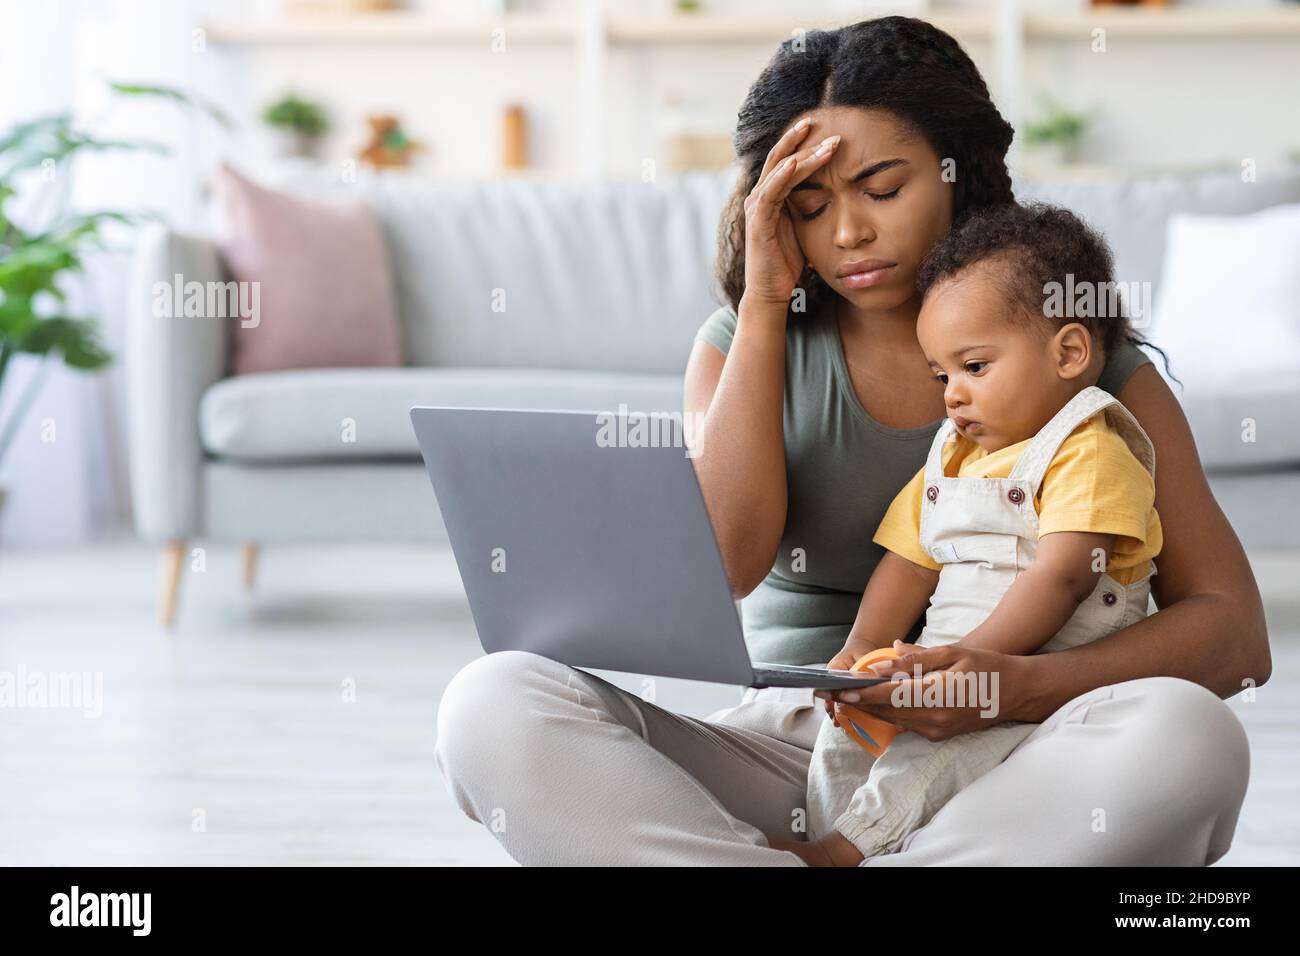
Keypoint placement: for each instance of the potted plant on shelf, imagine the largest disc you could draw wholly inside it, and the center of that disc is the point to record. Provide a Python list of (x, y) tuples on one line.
[(298, 124), (37, 261), (1055, 136)]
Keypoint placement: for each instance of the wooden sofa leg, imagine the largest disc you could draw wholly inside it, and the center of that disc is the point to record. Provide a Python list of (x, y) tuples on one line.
[(251, 553), (173, 562)]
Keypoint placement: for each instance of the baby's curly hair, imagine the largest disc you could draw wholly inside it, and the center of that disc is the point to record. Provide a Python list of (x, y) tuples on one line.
[(1029, 247)]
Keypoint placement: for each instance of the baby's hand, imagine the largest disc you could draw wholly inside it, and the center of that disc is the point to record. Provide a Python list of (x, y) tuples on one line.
[(846, 658), (842, 661)]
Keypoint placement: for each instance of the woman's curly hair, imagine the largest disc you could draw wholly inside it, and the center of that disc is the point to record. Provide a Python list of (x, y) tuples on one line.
[(903, 65)]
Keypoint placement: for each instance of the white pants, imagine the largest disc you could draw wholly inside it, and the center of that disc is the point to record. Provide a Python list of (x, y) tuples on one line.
[(877, 802), (564, 768)]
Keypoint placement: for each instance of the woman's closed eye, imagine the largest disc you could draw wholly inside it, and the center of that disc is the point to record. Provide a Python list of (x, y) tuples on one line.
[(878, 197)]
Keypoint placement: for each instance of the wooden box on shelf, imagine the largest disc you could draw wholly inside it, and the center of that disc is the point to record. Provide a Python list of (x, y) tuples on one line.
[(316, 7)]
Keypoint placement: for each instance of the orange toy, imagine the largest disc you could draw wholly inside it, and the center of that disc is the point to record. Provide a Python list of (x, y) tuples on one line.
[(871, 733)]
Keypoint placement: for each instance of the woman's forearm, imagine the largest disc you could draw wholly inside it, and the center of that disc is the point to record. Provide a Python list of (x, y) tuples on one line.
[(740, 447), (1198, 639)]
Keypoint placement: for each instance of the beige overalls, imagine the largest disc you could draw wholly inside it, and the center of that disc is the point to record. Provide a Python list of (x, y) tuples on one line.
[(984, 531)]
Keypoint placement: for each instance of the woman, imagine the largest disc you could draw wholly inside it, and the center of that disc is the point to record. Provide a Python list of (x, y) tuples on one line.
[(816, 405)]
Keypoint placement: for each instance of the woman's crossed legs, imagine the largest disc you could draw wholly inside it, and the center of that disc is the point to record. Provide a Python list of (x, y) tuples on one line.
[(565, 768)]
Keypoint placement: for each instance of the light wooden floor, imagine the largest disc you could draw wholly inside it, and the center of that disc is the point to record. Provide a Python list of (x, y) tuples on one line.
[(238, 718)]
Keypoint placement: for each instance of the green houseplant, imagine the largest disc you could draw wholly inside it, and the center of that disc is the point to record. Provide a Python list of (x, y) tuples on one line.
[(37, 262), (299, 123), (1058, 131)]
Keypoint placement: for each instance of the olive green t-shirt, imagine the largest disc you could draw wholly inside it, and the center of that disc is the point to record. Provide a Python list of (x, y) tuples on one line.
[(843, 468)]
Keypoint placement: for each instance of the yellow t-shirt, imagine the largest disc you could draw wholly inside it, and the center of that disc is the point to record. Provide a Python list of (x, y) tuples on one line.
[(1093, 484)]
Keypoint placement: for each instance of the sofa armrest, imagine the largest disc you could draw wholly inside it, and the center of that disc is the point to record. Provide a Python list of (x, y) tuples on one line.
[(169, 362)]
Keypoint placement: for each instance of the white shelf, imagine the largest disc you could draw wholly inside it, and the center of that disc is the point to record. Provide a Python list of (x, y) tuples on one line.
[(404, 27), (592, 38), (712, 28), (395, 27), (1155, 23)]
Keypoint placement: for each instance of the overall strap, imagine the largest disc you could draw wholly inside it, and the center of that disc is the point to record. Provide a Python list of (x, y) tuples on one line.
[(934, 463), (1033, 464), (1139, 443)]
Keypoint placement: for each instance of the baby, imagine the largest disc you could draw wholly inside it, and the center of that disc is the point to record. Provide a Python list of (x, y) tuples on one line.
[(1030, 529)]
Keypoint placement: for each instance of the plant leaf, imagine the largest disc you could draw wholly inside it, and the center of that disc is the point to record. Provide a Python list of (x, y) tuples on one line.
[(178, 96), (60, 144), (76, 339), (34, 267), (20, 133)]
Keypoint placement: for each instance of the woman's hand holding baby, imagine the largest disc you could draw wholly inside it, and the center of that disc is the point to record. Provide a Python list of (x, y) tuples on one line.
[(844, 660), (895, 596), (1014, 683)]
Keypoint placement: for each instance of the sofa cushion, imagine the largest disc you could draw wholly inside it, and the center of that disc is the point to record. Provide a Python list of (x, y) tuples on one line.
[(1228, 313), (364, 414), (321, 275), (1247, 428)]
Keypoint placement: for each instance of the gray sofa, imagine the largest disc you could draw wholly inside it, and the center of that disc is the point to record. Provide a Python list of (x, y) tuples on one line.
[(606, 287)]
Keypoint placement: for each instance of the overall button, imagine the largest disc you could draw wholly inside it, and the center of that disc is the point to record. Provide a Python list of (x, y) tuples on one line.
[(1016, 496), (932, 492), (1108, 598)]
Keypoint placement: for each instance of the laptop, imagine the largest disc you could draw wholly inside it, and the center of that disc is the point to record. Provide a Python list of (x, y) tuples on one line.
[(583, 540)]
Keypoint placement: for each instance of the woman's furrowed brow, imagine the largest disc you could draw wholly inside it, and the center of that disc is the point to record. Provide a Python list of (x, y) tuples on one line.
[(866, 173)]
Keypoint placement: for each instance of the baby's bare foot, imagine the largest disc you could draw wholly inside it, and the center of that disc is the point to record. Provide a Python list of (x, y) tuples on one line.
[(812, 853), (840, 851)]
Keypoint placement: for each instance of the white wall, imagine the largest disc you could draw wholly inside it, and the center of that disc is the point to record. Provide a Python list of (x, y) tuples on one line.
[(1167, 101), (1164, 101)]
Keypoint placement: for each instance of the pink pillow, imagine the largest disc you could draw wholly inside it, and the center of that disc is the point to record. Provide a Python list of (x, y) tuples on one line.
[(325, 297)]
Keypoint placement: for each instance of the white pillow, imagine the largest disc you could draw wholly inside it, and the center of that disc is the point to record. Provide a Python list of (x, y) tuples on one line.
[(1228, 311)]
